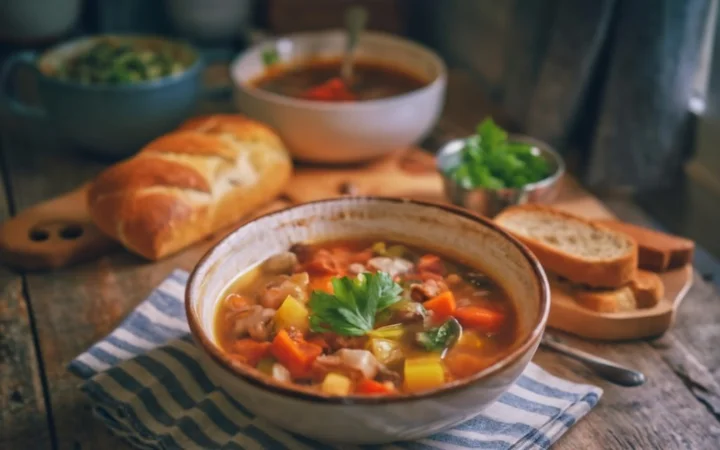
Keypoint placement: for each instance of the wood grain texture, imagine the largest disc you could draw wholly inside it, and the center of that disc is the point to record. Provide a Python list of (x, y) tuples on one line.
[(23, 418)]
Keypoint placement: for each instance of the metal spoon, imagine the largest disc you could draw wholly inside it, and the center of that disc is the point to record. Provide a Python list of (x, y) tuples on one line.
[(355, 20), (608, 370)]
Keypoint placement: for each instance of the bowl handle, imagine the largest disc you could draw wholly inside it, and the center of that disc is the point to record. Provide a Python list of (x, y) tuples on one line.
[(7, 98)]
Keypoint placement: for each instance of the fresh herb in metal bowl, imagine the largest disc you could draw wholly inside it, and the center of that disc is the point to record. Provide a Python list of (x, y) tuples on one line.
[(115, 61), (489, 160)]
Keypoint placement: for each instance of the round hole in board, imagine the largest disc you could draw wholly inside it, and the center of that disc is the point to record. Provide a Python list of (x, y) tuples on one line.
[(38, 235), (71, 232)]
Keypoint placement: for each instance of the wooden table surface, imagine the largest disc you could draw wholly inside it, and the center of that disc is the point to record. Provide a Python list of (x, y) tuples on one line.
[(46, 319)]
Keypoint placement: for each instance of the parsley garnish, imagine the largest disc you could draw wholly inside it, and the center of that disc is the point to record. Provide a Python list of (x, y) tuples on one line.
[(351, 310), (440, 338), (270, 56)]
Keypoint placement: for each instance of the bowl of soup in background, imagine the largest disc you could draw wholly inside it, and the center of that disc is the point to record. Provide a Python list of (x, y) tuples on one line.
[(350, 131), (449, 231)]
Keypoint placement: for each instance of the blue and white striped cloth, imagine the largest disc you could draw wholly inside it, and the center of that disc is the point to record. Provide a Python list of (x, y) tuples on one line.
[(146, 385)]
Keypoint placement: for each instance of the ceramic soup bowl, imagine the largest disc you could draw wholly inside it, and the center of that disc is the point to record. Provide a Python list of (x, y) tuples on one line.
[(332, 132), (451, 231)]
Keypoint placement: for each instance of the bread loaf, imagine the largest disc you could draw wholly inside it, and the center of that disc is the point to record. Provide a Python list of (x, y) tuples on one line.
[(190, 183), (572, 247)]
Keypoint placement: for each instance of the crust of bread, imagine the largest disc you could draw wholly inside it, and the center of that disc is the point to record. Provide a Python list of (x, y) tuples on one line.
[(189, 184), (648, 289), (607, 301), (657, 251), (607, 273)]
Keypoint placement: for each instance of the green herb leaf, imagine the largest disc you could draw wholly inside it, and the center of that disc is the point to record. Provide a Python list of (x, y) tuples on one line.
[(490, 161), (351, 310), (440, 338), (270, 56)]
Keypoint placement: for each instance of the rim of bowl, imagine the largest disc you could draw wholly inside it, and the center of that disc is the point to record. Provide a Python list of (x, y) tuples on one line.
[(198, 62), (452, 147), (258, 380), (323, 105)]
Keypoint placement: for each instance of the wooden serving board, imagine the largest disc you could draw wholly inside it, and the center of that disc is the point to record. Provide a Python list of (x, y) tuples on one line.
[(60, 232)]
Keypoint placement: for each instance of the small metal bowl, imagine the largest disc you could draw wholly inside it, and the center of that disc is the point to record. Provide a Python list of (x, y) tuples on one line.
[(489, 202)]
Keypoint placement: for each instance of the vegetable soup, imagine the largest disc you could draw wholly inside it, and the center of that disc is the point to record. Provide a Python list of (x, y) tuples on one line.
[(365, 317), (320, 80)]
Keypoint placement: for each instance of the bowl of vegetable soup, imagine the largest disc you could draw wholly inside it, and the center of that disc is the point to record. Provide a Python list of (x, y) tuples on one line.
[(367, 320), (293, 84)]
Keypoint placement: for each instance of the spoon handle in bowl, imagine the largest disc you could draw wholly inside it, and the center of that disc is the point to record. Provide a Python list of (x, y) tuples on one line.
[(355, 20)]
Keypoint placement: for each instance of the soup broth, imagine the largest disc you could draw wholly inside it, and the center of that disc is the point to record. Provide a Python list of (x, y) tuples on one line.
[(319, 80), (365, 317)]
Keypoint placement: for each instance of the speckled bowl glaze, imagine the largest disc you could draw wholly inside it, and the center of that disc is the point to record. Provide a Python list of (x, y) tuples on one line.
[(451, 231)]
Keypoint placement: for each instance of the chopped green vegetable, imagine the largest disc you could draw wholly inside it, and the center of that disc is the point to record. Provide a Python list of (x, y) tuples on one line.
[(116, 61), (394, 331), (270, 56), (490, 161), (440, 338), (351, 310)]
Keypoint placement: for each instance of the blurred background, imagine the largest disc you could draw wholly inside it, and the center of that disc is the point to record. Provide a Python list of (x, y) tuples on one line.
[(627, 90)]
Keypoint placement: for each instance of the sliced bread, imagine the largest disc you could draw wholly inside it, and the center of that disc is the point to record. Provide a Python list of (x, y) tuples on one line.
[(572, 247), (657, 251), (648, 289)]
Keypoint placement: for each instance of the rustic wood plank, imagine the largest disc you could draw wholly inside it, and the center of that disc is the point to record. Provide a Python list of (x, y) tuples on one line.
[(23, 418)]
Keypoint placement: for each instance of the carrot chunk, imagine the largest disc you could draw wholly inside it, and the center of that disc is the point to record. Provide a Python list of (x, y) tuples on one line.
[(430, 263), (479, 317), (372, 387), (463, 364), (442, 305), (249, 351), (295, 353)]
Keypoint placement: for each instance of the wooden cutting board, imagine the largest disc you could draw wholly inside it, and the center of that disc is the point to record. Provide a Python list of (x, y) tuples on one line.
[(60, 232)]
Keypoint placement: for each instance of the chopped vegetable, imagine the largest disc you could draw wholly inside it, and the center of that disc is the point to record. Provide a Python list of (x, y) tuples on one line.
[(430, 263), (336, 384), (265, 365), (386, 351), (351, 310), (292, 314), (479, 317), (280, 373), (333, 90), (322, 283), (464, 363), (118, 61), (360, 360), (423, 373), (294, 353), (250, 351), (394, 331), (372, 387), (490, 161), (470, 340), (270, 56), (442, 306), (394, 251), (440, 338)]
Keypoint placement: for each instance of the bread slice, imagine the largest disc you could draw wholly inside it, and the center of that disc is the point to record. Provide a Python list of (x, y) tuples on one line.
[(645, 291), (607, 301), (657, 251), (648, 289), (572, 247)]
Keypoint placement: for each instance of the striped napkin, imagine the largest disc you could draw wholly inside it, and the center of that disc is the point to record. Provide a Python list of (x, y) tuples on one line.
[(145, 384)]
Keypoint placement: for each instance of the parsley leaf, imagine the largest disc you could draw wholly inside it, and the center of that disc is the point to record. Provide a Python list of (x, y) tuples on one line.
[(489, 160), (439, 338), (351, 310), (270, 56)]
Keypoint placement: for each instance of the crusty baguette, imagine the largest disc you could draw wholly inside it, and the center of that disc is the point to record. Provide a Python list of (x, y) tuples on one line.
[(657, 251), (190, 183), (572, 247)]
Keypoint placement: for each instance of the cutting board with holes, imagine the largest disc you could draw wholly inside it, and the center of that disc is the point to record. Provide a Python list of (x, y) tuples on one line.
[(60, 232)]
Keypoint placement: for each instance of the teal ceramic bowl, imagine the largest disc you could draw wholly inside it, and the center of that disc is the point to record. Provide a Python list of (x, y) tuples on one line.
[(114, 121)]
